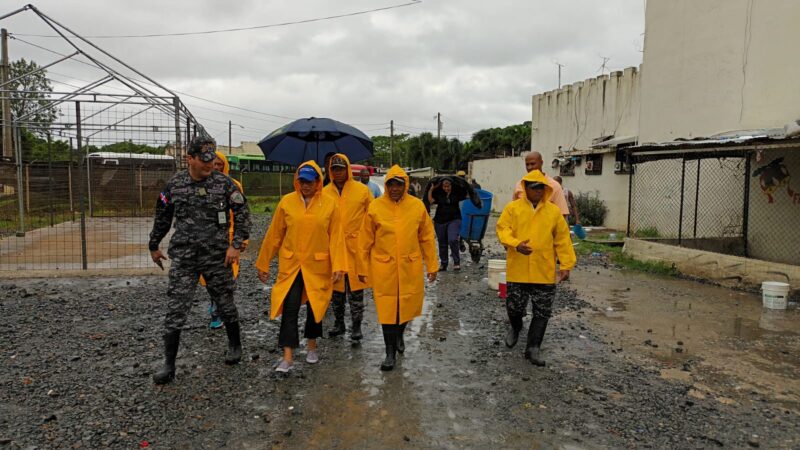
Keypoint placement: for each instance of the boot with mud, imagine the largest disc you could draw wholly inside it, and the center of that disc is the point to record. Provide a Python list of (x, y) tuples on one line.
[(355, 332), (234, 354), (513, 332), (535, 338), (390, 340), (338, 306), (167, 372)]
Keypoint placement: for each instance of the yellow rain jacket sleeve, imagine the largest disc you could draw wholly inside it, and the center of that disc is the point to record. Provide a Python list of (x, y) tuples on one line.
[(394, 241), (557, 197), (303, 238), (547, 234), (351, 206)]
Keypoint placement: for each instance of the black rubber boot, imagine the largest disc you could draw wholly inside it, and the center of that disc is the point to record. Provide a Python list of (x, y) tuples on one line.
[(355, 332), (535, 338), (234, 354), (338, 307), (390, 340), (167, 373), (513, 332), (401, 342)]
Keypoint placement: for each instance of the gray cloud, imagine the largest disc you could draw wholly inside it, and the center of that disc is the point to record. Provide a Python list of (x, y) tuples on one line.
[(476, 62)]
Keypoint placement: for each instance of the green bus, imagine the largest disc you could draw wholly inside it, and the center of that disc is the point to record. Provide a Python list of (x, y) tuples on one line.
[(256, 163)]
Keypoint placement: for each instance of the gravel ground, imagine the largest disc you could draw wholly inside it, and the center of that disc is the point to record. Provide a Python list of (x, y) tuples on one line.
[(78, 354)]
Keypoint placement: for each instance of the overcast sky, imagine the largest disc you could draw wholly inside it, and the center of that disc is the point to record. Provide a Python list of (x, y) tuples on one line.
[(477, 62)]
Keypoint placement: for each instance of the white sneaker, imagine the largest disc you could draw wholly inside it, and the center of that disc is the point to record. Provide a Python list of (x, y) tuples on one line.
[(284, 366), (312, 357)]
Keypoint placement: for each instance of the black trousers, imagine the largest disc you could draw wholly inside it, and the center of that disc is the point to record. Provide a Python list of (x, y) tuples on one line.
[(391, 332), (289, 335)]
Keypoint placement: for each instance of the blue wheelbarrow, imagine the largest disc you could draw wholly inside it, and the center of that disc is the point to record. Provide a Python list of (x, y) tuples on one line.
[(474, 221)]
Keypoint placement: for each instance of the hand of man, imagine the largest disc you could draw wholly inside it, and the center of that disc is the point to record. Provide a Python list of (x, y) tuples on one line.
[(232, 256), (263, 276), (563, 275), (362, 278), (524, 248), (432, 277), (158, 257), (337, 276)]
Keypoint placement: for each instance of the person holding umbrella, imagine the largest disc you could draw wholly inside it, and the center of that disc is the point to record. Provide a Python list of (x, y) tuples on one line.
[(304, 234), (447, 221), (352, 200), (395, 239)]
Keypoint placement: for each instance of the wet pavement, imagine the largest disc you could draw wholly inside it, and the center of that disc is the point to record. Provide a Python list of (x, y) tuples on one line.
[(78, 355)]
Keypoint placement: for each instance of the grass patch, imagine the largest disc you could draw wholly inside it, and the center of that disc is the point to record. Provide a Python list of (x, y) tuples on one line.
[(619, 259), (647, 232), (262, 203)]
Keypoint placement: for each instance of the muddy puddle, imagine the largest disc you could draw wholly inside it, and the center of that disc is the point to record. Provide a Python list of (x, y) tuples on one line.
[(735, 344)]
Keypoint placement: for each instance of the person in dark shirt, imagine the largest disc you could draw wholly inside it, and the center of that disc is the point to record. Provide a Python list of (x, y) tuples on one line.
[(446, 222)]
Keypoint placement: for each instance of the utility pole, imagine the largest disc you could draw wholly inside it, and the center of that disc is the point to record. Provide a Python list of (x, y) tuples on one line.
[(438, 136), (5, 75), (230, 137), (391, 143), (606, 59), (559, 73)]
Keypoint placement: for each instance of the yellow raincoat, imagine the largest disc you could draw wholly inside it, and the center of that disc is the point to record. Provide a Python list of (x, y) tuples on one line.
[(226, 169), (351, 205), (395, 239), (305, 239), (547, 234)]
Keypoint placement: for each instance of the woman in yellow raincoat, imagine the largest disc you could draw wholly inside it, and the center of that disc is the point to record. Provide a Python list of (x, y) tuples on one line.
[(352, 200), (396, 237), (220, 164), (535, 234), (304, 235)]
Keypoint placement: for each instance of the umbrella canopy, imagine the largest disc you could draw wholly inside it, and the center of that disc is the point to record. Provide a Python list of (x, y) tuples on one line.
[(312, 139)]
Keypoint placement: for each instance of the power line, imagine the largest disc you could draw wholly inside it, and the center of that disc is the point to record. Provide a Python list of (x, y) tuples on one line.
[(230, 30)]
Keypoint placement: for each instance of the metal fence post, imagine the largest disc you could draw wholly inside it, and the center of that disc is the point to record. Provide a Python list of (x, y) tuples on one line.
[(696, 197), (82, 195), (18, 147), (630, 195), (746, 206), (680, 214), (50, 177), (28, 188)]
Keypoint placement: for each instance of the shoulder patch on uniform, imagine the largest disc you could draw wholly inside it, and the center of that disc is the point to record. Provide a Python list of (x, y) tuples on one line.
[(237, 198), (163, 197)]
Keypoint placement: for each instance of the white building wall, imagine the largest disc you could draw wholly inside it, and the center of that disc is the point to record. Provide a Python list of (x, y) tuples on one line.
[(499, 176), (713, 66), (569, 118)]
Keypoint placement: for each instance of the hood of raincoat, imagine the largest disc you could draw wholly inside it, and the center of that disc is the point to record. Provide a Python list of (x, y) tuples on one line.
[(226, 169), (538, 177), (314, 165), (394, 172), (347, 162)]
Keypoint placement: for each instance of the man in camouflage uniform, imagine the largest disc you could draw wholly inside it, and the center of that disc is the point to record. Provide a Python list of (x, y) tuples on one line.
[(199, 199)]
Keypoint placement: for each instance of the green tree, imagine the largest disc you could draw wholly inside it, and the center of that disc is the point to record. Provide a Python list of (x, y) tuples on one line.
[(30, 102)]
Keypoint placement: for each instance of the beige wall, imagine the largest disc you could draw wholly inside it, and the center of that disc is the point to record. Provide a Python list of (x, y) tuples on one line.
[(499, 176), (705, 71), (571, 117)]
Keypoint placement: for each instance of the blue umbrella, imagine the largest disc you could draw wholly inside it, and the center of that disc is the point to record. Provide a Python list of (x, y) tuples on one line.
[(313, 138)]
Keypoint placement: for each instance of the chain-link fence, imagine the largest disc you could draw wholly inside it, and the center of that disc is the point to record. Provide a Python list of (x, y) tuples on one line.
[(73, 198), (715, 201)]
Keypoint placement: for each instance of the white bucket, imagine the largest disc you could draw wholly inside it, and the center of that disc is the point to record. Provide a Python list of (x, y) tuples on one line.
[(774, 294), (496, 266)]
